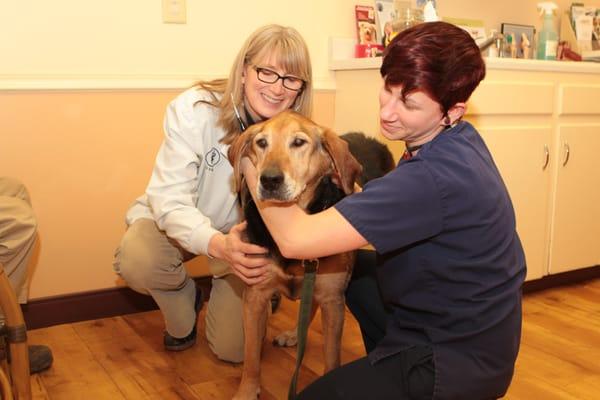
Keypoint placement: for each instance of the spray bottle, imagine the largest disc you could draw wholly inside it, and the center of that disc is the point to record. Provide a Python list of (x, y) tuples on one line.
[(429, 12), (548, 37), (428, 8)]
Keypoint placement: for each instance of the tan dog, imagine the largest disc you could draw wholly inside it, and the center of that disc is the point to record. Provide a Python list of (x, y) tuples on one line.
[(295, 161)]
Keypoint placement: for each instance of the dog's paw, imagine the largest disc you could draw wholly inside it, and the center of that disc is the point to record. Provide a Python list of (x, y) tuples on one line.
[(286, 339)]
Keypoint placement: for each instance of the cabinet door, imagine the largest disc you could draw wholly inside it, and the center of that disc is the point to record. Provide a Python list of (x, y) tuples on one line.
[(521, 154), (575, 240)]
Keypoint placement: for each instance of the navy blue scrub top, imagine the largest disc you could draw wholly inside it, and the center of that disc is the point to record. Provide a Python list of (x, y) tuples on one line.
[(449, 262)]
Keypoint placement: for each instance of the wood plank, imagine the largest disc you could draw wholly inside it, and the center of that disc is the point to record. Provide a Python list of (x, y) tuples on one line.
[(75, 373), (38, 390)]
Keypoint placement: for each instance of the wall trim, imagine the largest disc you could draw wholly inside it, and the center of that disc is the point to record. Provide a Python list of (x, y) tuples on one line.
[(119, 301), (105, 303), (562, 279), (117, 82)]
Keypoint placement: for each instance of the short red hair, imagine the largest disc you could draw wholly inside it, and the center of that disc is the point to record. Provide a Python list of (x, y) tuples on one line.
[(437, 58)]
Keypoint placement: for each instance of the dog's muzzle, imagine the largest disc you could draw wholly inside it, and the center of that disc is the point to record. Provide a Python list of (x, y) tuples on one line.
[(272, 185)]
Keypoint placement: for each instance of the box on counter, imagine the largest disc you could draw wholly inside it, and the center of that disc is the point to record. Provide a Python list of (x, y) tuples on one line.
[(366, 32), (588, 48)]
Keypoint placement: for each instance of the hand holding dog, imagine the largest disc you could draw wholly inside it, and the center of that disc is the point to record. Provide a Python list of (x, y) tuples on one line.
[(247, 260)]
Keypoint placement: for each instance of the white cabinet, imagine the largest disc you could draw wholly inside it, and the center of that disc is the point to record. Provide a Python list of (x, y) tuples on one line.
[(522, 156), (529, 113), (575, 239), (514, 117)]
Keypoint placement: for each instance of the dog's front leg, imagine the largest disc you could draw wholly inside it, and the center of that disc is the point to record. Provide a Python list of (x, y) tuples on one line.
[(332, 319), (256, 299)]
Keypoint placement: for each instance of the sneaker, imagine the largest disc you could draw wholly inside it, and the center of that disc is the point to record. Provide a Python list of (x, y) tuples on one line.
[(179, 344), (40, 358)]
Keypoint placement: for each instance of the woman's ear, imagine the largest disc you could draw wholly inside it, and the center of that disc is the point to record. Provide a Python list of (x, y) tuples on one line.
[(456, 112)]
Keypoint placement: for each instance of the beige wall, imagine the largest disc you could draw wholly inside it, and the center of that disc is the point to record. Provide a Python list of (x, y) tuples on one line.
[(86, 154), (127, 39)]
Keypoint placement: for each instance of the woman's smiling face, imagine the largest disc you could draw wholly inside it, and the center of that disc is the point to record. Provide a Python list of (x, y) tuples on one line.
[(265, 100)]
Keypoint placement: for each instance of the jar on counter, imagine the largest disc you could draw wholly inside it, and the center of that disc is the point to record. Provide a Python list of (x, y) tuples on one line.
[(406, 17)]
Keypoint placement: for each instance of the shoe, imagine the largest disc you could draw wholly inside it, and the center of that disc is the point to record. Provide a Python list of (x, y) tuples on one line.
[(275, 301), (40, 358), (179, 344)]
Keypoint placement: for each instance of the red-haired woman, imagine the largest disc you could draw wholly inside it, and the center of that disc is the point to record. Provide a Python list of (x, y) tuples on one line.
[(439, 302)]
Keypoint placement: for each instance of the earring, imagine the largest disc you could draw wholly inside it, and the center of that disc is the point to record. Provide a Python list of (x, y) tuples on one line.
[(447, 121)]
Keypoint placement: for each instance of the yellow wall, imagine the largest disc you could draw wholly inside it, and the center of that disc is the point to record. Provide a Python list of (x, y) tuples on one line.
[(127, 39), (494, 13), (65, 39)]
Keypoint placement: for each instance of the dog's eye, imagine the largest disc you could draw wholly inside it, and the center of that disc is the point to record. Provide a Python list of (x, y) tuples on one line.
[(298, 142), (262, 143)]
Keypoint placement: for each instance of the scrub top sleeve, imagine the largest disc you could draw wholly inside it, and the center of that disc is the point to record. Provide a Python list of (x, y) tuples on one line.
[(399, 209)]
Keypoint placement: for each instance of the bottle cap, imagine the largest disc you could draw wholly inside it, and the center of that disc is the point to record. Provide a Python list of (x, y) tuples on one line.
[(547, 7)]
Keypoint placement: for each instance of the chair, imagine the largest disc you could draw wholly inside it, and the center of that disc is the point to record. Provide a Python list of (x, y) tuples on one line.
[(14, 379)]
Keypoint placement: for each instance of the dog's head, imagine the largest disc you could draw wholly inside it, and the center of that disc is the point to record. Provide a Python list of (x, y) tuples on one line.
[(291, 154), (367, 33)]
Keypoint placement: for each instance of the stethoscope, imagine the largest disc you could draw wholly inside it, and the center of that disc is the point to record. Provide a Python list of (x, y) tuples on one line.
[(237, 114)]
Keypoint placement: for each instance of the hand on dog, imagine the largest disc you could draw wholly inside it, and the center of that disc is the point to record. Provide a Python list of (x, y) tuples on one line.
[(247, 260)]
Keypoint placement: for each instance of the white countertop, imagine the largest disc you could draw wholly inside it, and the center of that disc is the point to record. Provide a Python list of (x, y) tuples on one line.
[(491, 63)]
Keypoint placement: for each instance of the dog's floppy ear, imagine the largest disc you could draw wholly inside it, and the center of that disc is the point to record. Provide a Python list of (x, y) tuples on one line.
[(346, 166), (240, 148)]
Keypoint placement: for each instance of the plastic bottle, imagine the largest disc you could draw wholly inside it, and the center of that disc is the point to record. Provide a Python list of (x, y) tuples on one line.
[(493, 50), (430, 12), (548, 37)]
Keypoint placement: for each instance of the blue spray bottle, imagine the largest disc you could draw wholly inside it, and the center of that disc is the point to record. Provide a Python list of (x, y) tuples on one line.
[(548, 37)]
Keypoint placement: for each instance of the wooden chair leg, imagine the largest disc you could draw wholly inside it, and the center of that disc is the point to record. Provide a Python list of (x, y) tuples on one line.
[(16, 339)]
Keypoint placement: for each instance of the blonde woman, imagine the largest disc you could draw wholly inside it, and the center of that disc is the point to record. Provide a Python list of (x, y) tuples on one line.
[(189, 207)]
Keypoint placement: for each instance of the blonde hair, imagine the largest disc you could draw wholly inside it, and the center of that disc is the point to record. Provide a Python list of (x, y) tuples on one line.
[(291, 53)]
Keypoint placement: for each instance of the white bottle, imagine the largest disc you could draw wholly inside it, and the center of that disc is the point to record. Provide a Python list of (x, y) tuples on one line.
[(493, 50), (548, 37), (429, 12)]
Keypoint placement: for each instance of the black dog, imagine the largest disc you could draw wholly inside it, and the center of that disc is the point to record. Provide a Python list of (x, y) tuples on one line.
[(374, 156)]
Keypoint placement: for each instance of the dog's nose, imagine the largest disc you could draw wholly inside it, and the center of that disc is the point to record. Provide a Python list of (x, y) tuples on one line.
[(271, 179)]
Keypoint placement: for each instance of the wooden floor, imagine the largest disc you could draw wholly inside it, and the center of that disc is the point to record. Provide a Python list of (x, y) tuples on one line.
[(123, 358)]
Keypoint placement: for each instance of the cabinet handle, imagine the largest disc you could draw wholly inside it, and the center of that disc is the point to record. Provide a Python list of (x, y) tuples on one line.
[(546, 157), (567, 153)]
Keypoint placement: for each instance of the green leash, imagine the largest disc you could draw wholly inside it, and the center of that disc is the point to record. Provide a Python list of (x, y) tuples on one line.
[(306, 297)]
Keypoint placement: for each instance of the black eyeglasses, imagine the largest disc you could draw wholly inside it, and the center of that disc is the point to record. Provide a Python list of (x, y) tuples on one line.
[(289, 82)]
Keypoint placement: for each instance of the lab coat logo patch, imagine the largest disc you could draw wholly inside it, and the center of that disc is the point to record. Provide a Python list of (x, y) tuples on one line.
[(213, 157)]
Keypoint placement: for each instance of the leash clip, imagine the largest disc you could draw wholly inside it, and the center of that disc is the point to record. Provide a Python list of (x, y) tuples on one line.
[(311, 265)]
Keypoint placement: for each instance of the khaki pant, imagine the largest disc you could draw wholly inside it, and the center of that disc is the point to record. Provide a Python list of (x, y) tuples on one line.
[(17, 234), (151, 263)]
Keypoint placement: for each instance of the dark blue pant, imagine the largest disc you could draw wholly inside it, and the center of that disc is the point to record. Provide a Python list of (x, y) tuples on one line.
[(364, 300), (408, 374)]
